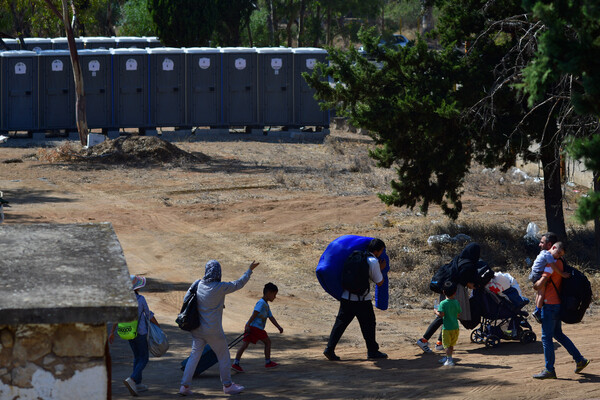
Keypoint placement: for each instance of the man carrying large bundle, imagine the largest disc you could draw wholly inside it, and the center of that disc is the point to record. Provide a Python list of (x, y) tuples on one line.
[(359, 268)]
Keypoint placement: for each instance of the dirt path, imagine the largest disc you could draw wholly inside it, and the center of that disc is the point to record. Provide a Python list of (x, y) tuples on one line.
[(279, 204)]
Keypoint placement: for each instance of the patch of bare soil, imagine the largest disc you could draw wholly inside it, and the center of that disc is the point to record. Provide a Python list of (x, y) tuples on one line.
[(281, 204)]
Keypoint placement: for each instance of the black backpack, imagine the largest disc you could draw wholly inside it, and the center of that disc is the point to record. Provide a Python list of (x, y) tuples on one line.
[(355, 274), (448, 272), (189, 317), (575, 295)]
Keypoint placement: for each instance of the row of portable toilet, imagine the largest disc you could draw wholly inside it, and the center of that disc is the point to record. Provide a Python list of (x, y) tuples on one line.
[(92, 42), (161, 87)]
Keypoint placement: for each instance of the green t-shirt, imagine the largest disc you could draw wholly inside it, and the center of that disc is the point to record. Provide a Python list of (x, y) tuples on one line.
[(451, 309)]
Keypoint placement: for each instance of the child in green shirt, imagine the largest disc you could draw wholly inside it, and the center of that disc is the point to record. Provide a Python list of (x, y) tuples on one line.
[(449, 310)]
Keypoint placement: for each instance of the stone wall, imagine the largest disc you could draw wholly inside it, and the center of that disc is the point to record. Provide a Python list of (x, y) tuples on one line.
[(61, 361)]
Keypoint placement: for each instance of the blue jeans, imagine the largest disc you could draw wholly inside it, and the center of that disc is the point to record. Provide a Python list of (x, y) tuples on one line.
[(551, 328), (141, 354)]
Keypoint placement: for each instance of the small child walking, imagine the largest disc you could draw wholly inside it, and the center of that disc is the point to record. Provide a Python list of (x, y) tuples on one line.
[(545, 262), (449, 310), (255, 328)]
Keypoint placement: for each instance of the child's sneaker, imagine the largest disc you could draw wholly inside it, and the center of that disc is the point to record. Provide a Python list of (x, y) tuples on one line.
[(271, 364), (449, 363), (185, 391), (443, 360), (131, 386), (423, 345), (237, 367), (234, 388), (537, 315), (141, 387), (439, 346), (581, 365)]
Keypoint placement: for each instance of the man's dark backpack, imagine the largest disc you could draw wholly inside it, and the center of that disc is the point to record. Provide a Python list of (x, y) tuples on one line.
[(575, 295), (189, 317), (355, 274)]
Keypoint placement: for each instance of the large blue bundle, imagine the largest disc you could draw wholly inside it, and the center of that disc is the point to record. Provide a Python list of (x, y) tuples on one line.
[(331, 264)]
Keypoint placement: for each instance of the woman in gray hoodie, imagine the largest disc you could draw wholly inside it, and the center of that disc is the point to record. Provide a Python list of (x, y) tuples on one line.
[(211, 301)]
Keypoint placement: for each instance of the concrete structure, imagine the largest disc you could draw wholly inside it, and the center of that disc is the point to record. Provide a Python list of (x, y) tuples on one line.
[(59, 286)]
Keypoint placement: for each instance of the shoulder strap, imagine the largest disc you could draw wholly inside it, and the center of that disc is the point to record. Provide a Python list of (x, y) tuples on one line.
[(555, 288)]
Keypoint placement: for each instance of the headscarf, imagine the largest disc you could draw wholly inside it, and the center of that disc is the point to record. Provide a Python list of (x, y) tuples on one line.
[(467, 273), (472, 251), (212, 272)]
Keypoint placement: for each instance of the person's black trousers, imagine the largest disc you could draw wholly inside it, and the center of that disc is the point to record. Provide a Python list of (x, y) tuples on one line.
[(363, 311)]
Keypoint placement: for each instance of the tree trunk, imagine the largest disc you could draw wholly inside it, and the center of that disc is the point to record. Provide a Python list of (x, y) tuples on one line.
[(597, 220), (427, 18), (271, 22), (290, 21), (300, 39), (250, 34), (553, 197), (328, 38), (316, 36), (80, 115)]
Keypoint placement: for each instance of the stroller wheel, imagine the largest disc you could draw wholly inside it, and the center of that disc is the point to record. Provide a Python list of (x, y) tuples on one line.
[(528, 337), (477, 336), (492, 341)]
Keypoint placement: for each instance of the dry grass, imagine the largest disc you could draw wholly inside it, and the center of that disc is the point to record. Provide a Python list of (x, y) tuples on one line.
[(64, 152)]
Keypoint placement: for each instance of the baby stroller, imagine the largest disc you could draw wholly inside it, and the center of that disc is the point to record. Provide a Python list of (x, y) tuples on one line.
[(499, 320)]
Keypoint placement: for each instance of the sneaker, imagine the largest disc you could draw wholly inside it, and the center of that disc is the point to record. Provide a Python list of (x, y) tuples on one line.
[(131, 386), (141, 387), (271, 364), (237, 367), (423, 345), (545, 374), (185, 391), (537, 315), (377, 354), (439, 346), (443, 360), (449, 363), (581, 365), (234, 388), (331, 355)]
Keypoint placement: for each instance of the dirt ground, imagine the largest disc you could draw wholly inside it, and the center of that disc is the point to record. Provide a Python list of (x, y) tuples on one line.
[(281, 204)]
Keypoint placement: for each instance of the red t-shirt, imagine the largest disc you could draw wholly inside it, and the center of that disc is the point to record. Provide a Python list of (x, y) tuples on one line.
[(551, 296)]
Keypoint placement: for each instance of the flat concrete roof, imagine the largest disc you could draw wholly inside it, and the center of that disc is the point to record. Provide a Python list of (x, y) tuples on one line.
[(54, 274)]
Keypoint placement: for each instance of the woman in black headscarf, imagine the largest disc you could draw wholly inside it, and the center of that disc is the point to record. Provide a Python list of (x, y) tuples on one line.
[(466, 265)]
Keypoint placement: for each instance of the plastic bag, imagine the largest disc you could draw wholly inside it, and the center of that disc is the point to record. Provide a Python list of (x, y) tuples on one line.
[(157, 340)]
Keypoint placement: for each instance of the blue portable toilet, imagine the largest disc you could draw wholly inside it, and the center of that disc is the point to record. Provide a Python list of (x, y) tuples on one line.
[(275, 86), (18, 100), (240, 86), (131, 41), (37, 44), (56, 90), (152, 41), (62, 43), (130, 88), (306, 108), (203, 88), (97, 83), (167, 87), (12, 44), (99, 42)]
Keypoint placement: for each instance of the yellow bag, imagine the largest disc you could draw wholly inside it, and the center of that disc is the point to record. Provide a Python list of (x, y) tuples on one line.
[(127, 330)]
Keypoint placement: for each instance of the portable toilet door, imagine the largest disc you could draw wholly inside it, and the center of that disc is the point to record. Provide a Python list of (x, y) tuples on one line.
[(37, 44), (275, 86), (97, 74), (19, 95), (130, 74), (240, 88), (203, 87), (167, 94), (306, 108), (57, 90)]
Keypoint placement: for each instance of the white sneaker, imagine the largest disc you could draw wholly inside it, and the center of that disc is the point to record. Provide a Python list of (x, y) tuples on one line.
[(141, 387), (185, 391), (439, 347), (131, 386), (443, 360), (233, 389), (423, 346), (449, 362)]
